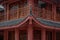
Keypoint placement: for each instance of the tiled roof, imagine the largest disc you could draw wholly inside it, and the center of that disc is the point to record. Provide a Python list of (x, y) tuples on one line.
[(49, 22), (11, 22)]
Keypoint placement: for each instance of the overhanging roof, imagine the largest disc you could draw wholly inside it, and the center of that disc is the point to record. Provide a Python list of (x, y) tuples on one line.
[(43, 21), (11, 22), (18, 22), (49, 22)]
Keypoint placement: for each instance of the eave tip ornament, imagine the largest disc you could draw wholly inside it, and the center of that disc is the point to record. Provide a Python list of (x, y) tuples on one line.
[(1, 8)]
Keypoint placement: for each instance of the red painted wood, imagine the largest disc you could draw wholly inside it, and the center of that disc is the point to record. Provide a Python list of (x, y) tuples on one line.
[(54, 11), (43, 34), (44, 26), (30, 32), (5, 35), (54, 35), (43, 14), (16, 34)]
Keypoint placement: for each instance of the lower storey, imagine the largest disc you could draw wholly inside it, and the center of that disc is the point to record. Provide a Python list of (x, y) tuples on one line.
[(29, 34)]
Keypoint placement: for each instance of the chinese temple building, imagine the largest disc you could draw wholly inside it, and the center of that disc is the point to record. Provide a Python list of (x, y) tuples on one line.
[(29, 19)]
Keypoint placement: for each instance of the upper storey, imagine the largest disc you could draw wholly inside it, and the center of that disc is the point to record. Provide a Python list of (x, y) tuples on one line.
[(14, 9)]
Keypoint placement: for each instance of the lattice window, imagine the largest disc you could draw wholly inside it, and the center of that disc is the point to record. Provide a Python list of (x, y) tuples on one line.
[(23, 9), (48, 12), (2, 16), (58, 13), (37, 35), (11, 35), (23, 3), (13, 11)]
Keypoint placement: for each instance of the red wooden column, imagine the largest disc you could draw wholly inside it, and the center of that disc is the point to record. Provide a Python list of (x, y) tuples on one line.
[(5, 35), (7, 12), (54, 11), (53, 35), (43, 34), (30, 30), (30, 33), (16, 34)]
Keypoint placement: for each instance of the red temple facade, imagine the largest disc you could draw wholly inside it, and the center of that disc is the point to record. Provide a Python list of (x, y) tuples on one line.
[(29, 19)]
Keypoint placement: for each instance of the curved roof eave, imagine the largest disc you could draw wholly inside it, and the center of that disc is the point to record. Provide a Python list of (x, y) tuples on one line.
[(44, 25), (15, 26), (39, 22)]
